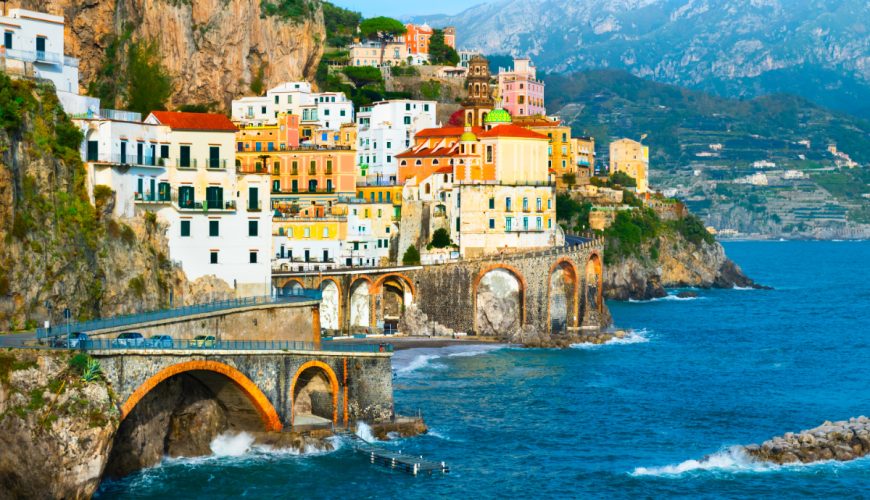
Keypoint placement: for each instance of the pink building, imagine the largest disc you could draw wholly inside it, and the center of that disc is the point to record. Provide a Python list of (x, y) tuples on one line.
[(522, 94)]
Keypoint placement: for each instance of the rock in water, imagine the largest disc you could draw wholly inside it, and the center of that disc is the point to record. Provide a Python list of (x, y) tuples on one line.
[(843, 440), (687, 295)]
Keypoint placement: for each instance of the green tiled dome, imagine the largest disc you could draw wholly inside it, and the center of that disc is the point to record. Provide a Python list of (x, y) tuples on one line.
[(497, 116)]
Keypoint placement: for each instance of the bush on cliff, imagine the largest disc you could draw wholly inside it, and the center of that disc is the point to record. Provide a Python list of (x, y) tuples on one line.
[(411, 256)]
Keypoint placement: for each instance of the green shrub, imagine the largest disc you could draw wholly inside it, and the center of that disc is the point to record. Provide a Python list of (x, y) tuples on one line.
[(441, 238), (411, 256), (79, 363), (431, 90), (92, 371), (127, 234)]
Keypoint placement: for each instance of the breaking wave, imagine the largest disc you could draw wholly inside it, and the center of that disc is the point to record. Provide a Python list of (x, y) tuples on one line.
[(411, 360), (633, 337), (232, 445), (666, 297)]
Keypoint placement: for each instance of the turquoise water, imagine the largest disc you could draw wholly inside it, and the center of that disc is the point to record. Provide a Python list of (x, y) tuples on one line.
[(622, 420)]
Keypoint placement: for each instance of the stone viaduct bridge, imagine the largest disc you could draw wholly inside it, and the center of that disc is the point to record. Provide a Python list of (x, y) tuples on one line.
[(263, 389), (553, 290)]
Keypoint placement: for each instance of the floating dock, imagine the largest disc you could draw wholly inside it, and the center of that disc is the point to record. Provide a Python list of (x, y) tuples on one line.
[(396, 460)]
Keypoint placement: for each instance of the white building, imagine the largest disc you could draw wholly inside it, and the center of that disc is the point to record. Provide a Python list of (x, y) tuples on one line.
[(369, 229), (386, 129), (33, 45), (127, 155), (322, 110)]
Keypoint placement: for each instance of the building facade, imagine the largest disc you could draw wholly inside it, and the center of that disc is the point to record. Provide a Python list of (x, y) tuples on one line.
[(316, 110), (418, 36), (632, 158), (384, 130), (521, 93), (372, 54)]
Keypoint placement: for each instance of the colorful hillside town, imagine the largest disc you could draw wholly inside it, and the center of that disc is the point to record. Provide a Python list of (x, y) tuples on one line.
[(299, 180)]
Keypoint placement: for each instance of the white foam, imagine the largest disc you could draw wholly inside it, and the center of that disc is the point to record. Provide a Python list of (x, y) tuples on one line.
[(735, 460), (365, 432), (735, 287), (231, 445), (418, 362), (666, 297), (633, 337), (476, 350), (412, 360)]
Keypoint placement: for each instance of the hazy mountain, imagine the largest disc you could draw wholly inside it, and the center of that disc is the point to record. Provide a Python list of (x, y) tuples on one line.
[(819, 49)]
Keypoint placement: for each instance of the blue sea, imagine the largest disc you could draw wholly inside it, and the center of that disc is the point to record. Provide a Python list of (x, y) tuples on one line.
[(655, 415)]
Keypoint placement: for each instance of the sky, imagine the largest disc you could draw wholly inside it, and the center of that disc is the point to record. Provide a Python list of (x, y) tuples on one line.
[(392, 8)]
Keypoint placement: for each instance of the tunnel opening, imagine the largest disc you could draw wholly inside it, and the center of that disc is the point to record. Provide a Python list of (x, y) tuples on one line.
[(179, 416), (315, 395)]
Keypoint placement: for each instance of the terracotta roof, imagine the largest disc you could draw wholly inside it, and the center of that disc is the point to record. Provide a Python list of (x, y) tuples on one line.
[(445, 170), (510, 130), (537, 122), (194, 121), (446, 131)]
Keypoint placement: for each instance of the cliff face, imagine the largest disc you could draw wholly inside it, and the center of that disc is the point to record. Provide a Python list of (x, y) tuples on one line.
[(55, 247), (213, 49), (680, 263), (55, 428)]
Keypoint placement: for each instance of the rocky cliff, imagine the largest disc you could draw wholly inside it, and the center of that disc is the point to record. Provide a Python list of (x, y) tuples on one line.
[(56, 425), (56, 249), (677, 263), (212, 49)]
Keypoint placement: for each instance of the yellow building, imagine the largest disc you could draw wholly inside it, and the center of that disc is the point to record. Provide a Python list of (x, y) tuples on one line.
[(309, 239), (345, 137), (560, 152), (391, 193), (632, 158), (584, 157)]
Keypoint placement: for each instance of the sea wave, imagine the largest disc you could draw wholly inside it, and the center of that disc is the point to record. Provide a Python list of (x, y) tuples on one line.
[(632, 337), (412, 360), (665, 298), (733, 460)]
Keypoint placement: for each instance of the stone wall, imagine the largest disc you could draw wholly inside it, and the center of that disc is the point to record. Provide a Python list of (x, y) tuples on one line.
[(367, 383), (266, 322)]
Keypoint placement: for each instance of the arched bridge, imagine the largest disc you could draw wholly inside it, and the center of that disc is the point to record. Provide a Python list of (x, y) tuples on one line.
[(554, 290), (264, 389)]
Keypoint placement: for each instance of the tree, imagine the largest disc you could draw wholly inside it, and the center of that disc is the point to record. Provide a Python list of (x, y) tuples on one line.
[(382, 30), (622, 179), (440, 52), (411, 256), (149, 86), (441, 238), (340, 24), (363, 75), (570, 179), (431, 90)]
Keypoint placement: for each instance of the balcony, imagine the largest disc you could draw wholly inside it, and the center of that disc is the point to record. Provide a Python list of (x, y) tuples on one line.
[(188, 164), (215, 163), (35, 56), (128, 160), (254, 206), (312, 171), (149, 198)]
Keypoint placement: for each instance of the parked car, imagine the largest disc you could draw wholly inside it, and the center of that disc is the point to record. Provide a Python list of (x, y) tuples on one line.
[(162, 341), (76, 340), (129, 339), (203, 341)]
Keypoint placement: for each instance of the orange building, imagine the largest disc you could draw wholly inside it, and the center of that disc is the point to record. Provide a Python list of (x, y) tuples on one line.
[(417, 37), (435, 149), (279, 136), (304, 169)]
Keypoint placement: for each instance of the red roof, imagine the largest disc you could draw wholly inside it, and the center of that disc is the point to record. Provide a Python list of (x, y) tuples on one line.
[(446, 131), (538, 122), (194, 121), (445, 170), (511, 130)]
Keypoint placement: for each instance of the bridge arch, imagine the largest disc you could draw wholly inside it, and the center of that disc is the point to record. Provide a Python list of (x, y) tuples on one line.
[(594, 282), (306, 378), (248, 388), (562, 293), (393, 292), (292, 284), (492, 297), (330, 305), (360, 307)]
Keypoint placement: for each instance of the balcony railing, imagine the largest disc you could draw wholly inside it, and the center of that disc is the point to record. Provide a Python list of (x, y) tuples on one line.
[(131, 160), (151, 198), (39, 56), (254, 206), (191, 164), (215, 163)]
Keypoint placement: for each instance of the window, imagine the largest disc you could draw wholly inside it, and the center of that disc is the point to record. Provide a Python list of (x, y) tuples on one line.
[(214, 197), (549, 223), (425, 107), (508, 223), (526, 223), (539, 206), (492, 203), (164, 150), (214, 228), (276, 99), (492, 223), (407, 120), (252, 257), (183, 153), (538, 223), (253, 198), (326, 232), (489, 154), (253, 228), (525, 204), (549, 204), (307, 232), (185, 228), (507, 204), (214, 257)]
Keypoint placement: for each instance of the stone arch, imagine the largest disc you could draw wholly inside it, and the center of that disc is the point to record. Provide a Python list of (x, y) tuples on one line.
[(594, 282), (259, 401), (486, 307), (360, 307), (316, 368), (291, 285), (330, 304), (562, 294), (393, 293)]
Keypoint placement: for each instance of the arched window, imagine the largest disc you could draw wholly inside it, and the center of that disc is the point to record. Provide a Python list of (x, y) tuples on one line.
[(404, 163), (426, 188), (435, 162), (418, 162)]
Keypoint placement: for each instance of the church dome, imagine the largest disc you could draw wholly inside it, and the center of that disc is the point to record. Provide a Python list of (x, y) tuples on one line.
[(468, 136), (497, 116)]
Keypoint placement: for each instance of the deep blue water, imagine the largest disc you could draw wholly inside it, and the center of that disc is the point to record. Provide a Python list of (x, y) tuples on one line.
[(622, 420)]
